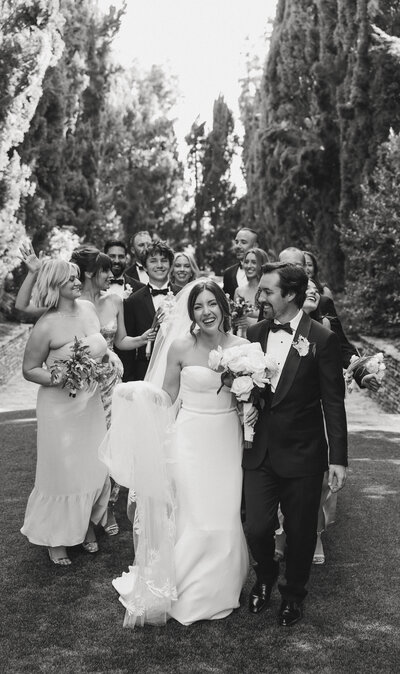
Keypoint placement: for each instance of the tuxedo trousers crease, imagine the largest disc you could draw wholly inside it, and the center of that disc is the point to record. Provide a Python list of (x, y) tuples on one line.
[(299, 498)]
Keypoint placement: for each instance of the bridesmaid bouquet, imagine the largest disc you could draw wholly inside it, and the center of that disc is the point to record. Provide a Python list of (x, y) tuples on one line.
[(249, 369), (373, 364), (78, 372), (240, 308)]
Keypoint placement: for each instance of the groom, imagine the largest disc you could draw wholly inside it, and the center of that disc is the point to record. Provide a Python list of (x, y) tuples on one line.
[(290, 448)]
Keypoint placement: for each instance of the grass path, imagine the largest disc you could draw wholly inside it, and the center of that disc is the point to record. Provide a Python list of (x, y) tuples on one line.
[(70, 621)]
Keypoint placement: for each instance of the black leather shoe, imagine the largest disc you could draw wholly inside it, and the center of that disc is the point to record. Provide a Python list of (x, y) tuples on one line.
[(290, 613), (259, 597)]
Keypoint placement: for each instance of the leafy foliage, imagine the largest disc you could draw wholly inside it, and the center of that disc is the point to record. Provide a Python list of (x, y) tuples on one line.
[(372, 249)]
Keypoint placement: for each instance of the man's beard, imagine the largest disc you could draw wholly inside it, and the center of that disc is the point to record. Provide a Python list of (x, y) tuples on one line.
[(117, 269)]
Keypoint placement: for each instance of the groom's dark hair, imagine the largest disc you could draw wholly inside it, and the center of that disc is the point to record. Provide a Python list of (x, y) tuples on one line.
[(292, 279)]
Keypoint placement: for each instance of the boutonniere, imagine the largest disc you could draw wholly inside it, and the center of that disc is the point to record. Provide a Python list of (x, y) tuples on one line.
[(303, 346), (127, 291)]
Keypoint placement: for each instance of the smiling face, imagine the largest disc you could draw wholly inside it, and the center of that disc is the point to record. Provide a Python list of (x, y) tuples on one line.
[(119, 260), (270, 296), (251, 266), (243, 242), (71, 289), (182, 270), (207, 312), (158, 267), (103, 278), (312, 297)]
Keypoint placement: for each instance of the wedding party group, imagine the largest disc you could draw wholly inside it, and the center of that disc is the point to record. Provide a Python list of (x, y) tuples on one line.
[(217, 405)]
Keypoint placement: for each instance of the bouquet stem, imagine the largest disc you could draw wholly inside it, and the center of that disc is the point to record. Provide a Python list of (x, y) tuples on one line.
[(248, 430)]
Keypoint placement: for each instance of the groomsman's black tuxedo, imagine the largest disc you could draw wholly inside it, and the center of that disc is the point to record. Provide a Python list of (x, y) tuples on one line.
[(138, 313), (230, 281), (290, 452), (132, 271)]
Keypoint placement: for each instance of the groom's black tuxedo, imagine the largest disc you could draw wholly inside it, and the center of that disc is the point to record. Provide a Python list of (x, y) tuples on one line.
[(291, 425), (290, 453)]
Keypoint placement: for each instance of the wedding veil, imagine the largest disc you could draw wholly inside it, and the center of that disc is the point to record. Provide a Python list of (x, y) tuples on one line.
[(136, 451)]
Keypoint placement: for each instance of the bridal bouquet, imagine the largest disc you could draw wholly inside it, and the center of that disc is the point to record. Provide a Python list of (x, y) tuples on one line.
[(250, 369), (239, 309), (373, 364), (78, 372), (161, 315)]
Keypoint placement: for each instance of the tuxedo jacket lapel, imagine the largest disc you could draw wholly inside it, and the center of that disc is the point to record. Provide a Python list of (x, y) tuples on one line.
[(292, 362)]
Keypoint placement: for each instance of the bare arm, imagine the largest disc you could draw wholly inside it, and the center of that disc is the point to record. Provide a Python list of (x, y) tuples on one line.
[(121, 340), (172, 377), (36, 352), (23, 301)]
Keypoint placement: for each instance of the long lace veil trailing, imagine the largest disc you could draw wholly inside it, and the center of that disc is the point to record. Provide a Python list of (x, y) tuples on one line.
[(136, 451)]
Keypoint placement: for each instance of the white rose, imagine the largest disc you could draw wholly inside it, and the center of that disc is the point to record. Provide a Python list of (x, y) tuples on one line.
[(214, 358), (242, 387), (239, 364), (260, 378)]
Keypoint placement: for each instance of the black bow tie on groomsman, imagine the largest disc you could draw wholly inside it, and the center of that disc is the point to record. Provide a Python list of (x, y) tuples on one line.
[(119, 281), (281, 326), (158, 291)]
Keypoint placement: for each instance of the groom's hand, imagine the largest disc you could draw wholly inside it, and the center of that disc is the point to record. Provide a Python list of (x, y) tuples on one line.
[(336, 477)]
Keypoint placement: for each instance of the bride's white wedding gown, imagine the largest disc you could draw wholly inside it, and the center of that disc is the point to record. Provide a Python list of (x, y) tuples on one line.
[(209, 553), (211, 559)]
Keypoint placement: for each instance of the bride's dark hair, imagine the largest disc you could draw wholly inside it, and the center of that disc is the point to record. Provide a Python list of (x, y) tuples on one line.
[(221, 299)]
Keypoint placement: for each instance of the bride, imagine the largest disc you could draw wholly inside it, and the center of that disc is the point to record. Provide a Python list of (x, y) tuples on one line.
[(191, 558)]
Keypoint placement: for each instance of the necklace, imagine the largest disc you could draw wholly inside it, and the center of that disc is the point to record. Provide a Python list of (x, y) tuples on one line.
[(63, 314)]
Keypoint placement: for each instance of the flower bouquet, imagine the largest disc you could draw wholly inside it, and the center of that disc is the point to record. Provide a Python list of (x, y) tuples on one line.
[(250, 369), (240, 308), (79, 371), (373, 364), (161, 314)]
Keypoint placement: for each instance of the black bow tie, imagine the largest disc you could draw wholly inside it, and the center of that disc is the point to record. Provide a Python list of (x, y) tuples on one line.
[(281, 326), (119, 281), (158, 291)]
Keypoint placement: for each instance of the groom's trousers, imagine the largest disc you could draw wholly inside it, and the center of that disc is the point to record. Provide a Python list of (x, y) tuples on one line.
[(299, 498)]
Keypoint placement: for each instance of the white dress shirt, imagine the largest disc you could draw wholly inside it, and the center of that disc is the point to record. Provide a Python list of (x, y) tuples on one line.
[(158, 299), (241, 277), (116, 289), (278, 345), (142, 273)]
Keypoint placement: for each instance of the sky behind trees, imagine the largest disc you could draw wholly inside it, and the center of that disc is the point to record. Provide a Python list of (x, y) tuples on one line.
[(202, 42)]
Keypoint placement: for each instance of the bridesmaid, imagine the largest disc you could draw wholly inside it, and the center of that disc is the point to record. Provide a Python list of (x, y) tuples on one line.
[(184, 269), (72, 487), (252, 263), (95, 274)]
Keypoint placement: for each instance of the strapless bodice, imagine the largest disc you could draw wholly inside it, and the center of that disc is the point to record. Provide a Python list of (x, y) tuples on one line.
[(96, 343), (198, 392), (108, 331)]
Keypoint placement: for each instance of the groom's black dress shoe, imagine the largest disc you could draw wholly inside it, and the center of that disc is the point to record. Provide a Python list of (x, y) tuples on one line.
[(259, 596), (290, 613)]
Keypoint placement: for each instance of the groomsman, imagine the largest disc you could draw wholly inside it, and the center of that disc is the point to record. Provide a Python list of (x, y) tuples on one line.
[(117, 252), (141, 306), (290, 448), (139, 243), (234, 276)]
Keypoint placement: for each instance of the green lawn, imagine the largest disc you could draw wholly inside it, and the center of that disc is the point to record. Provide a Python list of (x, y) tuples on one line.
[(70, 620)]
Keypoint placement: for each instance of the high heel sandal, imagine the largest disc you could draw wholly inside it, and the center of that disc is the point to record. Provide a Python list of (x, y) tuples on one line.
[(112, 529), (59, 561)]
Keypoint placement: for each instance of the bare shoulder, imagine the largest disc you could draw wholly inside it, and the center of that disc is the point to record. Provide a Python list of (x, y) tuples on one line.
[(87, 306), (181, 346)]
